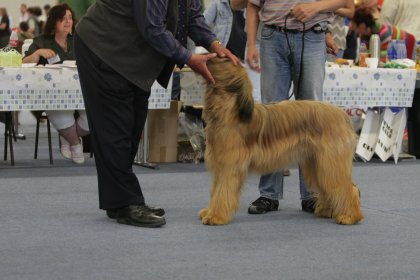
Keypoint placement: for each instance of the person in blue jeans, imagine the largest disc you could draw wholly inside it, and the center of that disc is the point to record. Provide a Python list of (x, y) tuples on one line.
[(289, 28)]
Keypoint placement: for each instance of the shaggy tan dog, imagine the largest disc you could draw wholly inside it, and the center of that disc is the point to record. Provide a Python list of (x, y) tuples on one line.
[(242, 137)]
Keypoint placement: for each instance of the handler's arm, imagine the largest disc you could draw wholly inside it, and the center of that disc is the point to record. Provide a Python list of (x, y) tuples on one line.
[(150, 18)]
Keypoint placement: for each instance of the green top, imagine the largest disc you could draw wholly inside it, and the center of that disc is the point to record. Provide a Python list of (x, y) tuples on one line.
[(48, 42), (79, 6)]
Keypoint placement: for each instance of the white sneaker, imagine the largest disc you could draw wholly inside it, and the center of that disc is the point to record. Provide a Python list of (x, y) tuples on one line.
[(77, 154), (65, 148)]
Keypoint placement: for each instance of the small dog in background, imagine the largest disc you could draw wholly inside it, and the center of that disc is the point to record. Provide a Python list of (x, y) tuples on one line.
[(243, 137)]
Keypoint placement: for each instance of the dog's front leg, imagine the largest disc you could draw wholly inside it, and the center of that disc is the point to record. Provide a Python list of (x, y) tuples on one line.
[(224, 198)]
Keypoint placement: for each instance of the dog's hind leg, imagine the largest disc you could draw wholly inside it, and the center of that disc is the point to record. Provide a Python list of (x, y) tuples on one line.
[(336, 183), (350, 211), (311, 175), (224, 198)]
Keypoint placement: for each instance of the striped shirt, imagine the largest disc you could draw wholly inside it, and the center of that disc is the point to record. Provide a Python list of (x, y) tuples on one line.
[(388, 32), (274, 12)]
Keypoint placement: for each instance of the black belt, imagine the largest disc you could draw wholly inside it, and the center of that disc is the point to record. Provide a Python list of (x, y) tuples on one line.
[(317, 28)]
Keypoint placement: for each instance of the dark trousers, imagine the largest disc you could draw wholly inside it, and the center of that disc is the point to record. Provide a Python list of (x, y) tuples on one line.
[(413, 125), (116, 111)]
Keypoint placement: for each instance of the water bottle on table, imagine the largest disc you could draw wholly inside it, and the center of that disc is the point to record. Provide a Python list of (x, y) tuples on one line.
[(374, 46), (401, 49), (363, 54), (392, 50), (13, 40)]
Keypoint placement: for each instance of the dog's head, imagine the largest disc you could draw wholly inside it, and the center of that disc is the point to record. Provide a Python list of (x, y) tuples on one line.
[(233, 81)]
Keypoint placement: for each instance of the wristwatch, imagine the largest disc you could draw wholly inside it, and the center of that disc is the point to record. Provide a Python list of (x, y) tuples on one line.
[(217, 42)]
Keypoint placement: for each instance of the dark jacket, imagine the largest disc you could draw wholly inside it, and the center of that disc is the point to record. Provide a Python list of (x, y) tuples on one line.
[(6, 31), (109, 30)]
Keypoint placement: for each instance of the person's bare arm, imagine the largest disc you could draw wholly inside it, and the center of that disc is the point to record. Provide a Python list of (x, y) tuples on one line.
[(238, 4), (34, 58), (253, 21), (305, 12), (330, 43), (347, 11)]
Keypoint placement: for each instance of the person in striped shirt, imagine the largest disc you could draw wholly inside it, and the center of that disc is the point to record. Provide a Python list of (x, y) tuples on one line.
[(365, 25)]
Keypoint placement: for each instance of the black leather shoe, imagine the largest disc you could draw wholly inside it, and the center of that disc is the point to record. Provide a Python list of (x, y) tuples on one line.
[(263, 205), (308, 205), (112, 213), (139, 216)]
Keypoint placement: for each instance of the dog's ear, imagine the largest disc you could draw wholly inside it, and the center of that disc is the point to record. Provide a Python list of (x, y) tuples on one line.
[(235, 80), (244, 100), (240, 85), (245, 105)]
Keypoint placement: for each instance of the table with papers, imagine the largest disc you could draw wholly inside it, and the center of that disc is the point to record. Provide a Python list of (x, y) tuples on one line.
[(382, 88)]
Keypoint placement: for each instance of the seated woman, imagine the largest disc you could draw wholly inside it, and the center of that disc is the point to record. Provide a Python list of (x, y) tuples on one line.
[(365, 25), (54, 46)]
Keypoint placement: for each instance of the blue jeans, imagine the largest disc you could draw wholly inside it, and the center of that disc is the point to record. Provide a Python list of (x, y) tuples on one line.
[(279, 69)]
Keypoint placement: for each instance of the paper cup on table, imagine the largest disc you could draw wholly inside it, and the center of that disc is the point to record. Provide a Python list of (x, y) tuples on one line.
[(372, 62)]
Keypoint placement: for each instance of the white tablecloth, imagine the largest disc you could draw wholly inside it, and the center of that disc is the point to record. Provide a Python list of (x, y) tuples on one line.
[(42, 88), (343, 87), (54, 88), (365, 87)]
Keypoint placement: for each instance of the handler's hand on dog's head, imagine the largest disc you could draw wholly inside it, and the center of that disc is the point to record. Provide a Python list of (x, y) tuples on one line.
[(221, 51), (198, 63)]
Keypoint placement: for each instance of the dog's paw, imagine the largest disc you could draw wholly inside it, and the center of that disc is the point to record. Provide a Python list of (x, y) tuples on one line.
[(347, 219), (202, 213), (209, 218)]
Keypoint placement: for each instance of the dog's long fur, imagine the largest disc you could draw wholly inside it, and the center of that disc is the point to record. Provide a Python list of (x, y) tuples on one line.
[(242, 137)]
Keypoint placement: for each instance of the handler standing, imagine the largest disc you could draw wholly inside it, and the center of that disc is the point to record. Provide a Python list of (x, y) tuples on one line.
[(292, 39), (121, 48)]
